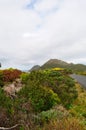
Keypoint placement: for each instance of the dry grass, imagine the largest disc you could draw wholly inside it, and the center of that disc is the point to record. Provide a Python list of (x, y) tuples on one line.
[(65, 124)]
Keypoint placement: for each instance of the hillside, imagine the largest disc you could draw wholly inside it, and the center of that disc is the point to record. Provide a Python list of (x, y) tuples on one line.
[(53, 63), (41, 100), (36, 67)]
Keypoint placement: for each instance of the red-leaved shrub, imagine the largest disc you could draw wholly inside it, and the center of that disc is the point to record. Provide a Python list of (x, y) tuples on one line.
[(10, 75)]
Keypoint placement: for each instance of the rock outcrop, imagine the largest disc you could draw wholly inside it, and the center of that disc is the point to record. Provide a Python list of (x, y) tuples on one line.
[(13, 88)]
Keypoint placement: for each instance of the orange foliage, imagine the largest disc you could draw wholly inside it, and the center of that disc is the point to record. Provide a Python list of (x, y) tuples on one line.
[(11, 75)]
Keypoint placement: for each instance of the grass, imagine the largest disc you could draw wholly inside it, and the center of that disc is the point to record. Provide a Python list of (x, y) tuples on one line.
[(64, 124), (79, 106)]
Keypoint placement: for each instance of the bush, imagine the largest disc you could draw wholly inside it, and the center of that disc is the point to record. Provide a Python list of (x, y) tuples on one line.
[(42, 98), (5, 102), (57, 112), (24, 77), (61, 84), (10, 75), (64, 86)]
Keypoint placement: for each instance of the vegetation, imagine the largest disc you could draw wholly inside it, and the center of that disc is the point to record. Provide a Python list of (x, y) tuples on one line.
[(49, 100), (24, 77), (82, 73), (64, 124), (1, 78), (55, 63), (9, 75), (42, 98), (61, 84)]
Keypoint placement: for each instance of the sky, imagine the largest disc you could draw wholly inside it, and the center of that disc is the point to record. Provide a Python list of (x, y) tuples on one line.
[(34, 31)]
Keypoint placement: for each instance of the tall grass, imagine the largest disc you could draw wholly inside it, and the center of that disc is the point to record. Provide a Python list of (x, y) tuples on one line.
[(64, 124)]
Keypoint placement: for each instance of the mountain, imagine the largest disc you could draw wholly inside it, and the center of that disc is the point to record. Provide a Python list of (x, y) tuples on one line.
[(36, 67), (53, 63), (77, 67)]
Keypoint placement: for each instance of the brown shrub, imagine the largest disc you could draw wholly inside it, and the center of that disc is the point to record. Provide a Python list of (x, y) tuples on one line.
[(11, 75)]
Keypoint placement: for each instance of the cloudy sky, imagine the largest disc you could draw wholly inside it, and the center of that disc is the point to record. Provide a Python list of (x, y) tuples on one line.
[(33, 31)]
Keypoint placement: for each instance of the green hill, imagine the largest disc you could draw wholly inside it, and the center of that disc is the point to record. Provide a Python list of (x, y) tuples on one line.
[(36, 67), (53, 63)]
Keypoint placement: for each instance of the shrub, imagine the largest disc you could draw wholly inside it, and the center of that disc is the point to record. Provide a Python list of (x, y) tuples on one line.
[(57, 112), (42, 98), (10, 75), (64, 86), (61, 84), (5, 102), (24, 77), (54, 73)]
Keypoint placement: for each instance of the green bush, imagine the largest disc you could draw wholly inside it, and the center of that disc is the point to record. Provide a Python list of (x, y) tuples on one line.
[(52, 114), (42, 98), (5, 102), (64, 86), (24, 77), (61, 84), (54, 73)]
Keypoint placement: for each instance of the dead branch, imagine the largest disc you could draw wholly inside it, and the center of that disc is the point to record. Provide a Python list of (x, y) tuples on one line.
[(10, 128)]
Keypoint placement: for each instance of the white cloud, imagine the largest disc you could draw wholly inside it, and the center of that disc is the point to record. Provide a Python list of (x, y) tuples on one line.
[(27, 38), (46, 5), (30, 35)]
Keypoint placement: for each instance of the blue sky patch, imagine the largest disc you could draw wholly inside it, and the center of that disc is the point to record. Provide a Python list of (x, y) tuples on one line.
[(31, 4)]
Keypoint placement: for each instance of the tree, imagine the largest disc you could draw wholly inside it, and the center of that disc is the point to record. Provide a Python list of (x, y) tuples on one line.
[(0, 64)]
